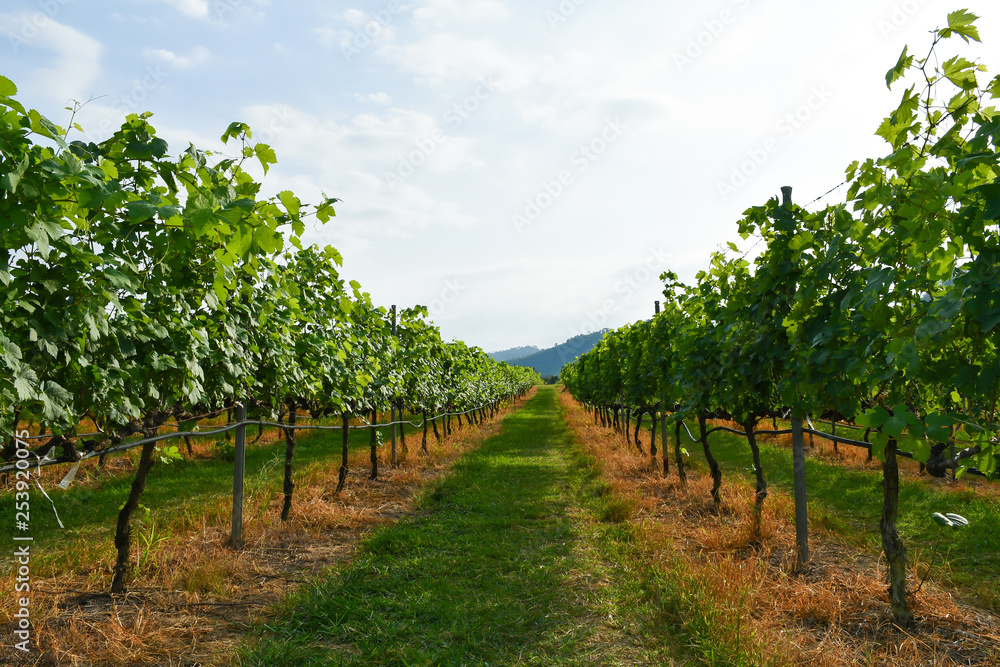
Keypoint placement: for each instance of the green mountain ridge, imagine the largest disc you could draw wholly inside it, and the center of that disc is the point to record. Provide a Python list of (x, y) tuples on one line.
[(514, 353), (550, 361)]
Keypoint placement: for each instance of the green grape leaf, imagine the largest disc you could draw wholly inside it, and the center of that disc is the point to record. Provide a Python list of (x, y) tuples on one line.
[(961, 23), (7, 87), (265, 154), (902, 64), (235, 129), (290, 202), (960, 72)]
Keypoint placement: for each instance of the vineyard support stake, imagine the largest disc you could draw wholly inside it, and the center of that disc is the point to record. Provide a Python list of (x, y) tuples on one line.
[(289, 485), (892, 545), (239, 468), (392, 404), (663, 442), (799, 471)]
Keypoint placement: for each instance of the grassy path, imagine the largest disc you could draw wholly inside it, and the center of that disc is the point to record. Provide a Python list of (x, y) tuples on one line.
[(503, 563)]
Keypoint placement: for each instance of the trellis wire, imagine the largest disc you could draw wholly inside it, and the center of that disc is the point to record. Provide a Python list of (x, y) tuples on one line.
[(224, 429)]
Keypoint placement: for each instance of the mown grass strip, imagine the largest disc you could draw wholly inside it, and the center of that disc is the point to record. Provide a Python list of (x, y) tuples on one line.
[(498, 566)]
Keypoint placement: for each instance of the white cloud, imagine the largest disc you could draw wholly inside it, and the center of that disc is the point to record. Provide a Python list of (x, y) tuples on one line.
[(380, 98), (74, 60), (220, 10), (349, 158), (353, 31), (197, 56), (438, 13), (445, 57), (356, 18), (567, 92), (134, 19), (194, 8)]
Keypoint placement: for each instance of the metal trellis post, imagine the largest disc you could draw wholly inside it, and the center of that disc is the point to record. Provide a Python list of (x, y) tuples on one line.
[(798, 455), (392, 406), (239, 468)]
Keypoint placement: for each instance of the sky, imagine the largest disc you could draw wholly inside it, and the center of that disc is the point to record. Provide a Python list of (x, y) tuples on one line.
[(524, 169)]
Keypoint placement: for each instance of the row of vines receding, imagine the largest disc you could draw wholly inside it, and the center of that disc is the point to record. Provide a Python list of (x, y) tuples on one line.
[(140, 290), (881, 311)]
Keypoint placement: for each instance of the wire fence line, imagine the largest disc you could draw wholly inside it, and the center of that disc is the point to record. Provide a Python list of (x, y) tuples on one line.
[(80, 436), (23, 465), (811, 431), (46, 461), (808, 431)]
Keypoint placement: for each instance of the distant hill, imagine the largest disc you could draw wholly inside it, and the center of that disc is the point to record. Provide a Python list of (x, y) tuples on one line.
[(514, 353), (551, 361)]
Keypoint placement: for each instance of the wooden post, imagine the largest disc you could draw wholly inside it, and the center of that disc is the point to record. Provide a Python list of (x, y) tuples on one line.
[(392, 406), (239, 468)]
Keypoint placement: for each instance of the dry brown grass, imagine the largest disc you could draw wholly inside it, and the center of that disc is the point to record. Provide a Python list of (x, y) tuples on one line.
[(192, 598), (833, 611)]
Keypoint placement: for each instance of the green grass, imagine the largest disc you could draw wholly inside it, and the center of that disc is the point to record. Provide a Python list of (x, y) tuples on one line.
[(521, 556), (848, 503)]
